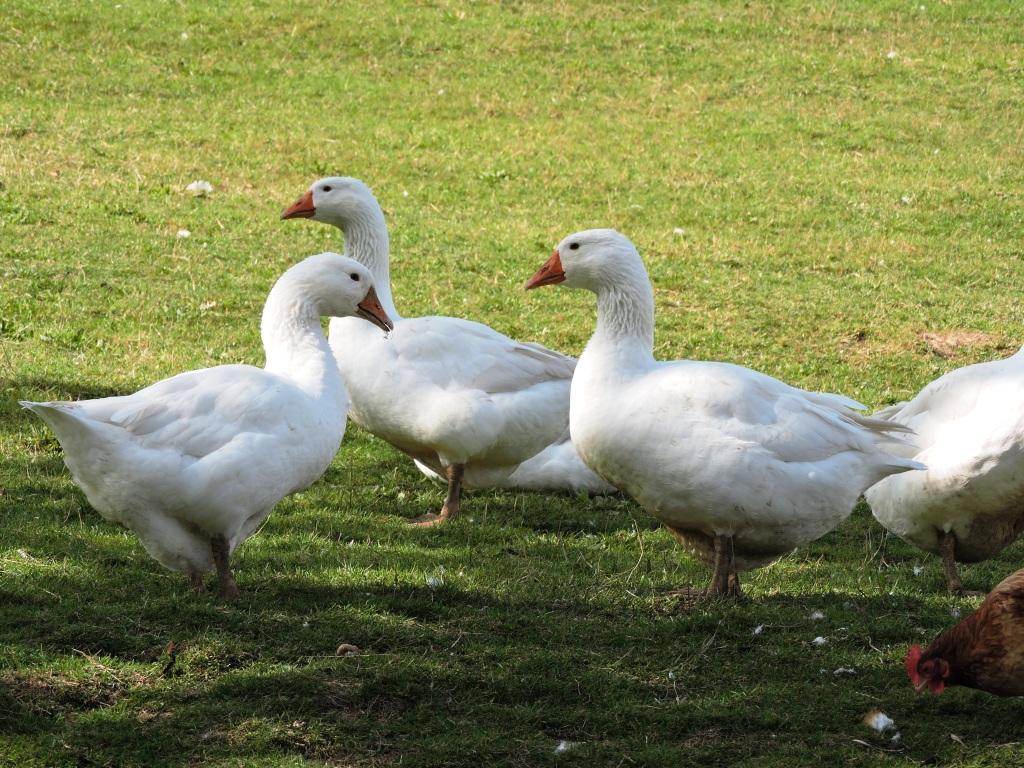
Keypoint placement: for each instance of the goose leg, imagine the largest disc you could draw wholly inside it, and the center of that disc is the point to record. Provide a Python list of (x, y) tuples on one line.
[(452, 501), (195, 580), (734, 585), (226, 587), (948, 551), (723, 568)]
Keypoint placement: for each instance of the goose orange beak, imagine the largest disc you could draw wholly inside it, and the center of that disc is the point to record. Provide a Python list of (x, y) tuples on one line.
[(550, 274), (302, 208), (370, 309)]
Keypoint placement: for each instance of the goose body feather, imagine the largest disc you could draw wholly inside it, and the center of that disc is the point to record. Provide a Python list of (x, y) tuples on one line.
[(208, 453), (710, 449), (970, 432), (444, 390)]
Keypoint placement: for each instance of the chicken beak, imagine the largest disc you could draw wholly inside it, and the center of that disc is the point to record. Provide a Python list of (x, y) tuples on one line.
[(550, 274), (302, 208), (370, 309), (919, 687)]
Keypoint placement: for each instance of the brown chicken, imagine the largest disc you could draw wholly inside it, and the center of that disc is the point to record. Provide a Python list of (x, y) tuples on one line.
[(984, 651)]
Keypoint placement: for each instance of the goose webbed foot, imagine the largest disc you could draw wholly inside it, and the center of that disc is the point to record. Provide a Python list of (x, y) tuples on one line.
[(687, 598), (734, 589), (433, 518), (226, 587), (228, 591), (452, 502), (968, 593), (426, 520)]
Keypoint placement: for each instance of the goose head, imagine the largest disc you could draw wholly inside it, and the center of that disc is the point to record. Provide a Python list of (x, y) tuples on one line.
[(339, 287), (336, 200), (592, 259)]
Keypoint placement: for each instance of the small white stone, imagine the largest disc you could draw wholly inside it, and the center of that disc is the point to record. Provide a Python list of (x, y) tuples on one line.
[(758, 629), (440, 91), (905, 199), (844, 671), (184, 35), (817, 615), (678, 231), (819, 641), (405, 193), (891, 55), (434, 582), (184, 233), (918, 570), (954, 612)]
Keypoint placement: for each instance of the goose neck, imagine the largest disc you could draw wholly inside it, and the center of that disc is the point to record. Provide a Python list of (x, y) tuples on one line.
[(625, 316), (294, 342), (366, 241)]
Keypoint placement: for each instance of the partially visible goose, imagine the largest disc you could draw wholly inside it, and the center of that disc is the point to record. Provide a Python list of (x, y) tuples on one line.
[(466, 402), (969, 505), (741, 467), (195, 463)]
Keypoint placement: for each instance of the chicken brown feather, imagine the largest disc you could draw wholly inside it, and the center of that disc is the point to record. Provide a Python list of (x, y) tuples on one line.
[(984, 651)]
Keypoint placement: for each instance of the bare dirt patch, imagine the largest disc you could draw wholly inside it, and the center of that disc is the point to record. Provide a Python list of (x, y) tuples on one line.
[(949, 343)]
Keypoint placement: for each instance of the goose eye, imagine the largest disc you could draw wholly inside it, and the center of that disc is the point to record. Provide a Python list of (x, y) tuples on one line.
[(355, 276), (327, 189), (574, 246)]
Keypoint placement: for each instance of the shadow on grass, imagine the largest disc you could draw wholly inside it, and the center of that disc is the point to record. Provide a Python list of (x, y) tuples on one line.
[(58, 389), (457, 674), (447, 674), (526, 641)]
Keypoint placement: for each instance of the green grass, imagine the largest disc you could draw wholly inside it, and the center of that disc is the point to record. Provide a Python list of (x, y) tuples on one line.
[(807, 205)]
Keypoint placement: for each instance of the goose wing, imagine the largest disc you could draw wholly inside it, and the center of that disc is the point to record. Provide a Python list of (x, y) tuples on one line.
[(465, 354)]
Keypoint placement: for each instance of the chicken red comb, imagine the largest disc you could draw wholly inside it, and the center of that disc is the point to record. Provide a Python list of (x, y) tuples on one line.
[(913, 657)]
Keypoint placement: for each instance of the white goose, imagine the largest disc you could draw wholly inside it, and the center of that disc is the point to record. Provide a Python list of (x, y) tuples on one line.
[(741, 467), (463, 400), (195, 463), (969, 505)]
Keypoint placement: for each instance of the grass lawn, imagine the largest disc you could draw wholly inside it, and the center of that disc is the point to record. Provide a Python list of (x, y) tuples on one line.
[(814, 187)]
